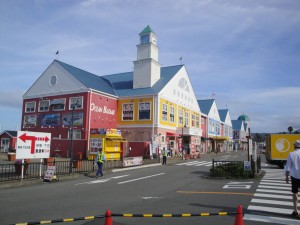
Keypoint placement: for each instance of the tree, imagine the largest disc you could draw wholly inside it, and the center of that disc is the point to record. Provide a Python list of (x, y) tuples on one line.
[(290, 129), (258, 137)]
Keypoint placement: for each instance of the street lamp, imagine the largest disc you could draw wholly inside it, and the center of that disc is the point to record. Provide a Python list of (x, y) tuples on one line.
[(182, 140), (73, 106)]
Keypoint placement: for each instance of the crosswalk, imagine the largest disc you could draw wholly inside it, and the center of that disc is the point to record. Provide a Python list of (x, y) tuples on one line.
[(272, 202), (195, 163)]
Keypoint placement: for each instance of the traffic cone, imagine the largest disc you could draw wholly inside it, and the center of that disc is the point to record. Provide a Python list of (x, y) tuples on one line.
[(239, 216), (108, 218)]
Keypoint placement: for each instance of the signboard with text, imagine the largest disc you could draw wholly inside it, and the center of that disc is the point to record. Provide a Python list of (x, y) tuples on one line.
[(33, 145)]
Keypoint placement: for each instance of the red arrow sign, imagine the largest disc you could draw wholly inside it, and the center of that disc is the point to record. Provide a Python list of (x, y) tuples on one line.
[(25, 138)]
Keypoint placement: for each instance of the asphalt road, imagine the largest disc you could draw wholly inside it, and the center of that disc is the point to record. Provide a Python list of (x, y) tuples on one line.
[(172, 189)]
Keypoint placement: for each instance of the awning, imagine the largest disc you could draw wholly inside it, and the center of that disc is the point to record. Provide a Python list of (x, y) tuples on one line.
[(220, 138), (118, 139), (170, 134), (57, 102)]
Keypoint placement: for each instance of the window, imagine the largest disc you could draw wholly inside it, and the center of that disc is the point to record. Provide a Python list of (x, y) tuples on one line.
[(58, 104), (50, 120), (29, 107), (165, 112), (180, 117), (30, 120), (193, 120), (75, 102), (187, 118), (127, 110), (44, 106), (144, 111), (197, 121), (172, 114), (145, 38), (76, 134)]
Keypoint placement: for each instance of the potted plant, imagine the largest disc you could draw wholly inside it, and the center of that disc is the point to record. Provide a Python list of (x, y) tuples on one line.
[(49, 161), (11, 155)]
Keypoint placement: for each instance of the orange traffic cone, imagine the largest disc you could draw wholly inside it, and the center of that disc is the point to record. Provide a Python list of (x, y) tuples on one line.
[(108, 218), (239, 216)]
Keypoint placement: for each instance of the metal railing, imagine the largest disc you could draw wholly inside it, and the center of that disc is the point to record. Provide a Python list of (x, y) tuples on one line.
[(37, 170)]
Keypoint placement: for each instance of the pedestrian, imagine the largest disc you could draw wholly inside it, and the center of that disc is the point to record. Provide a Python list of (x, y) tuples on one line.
[(292, 169), (164, 155), (100, 161)]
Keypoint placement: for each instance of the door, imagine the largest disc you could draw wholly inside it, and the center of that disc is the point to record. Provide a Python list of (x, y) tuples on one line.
[(4, 144)]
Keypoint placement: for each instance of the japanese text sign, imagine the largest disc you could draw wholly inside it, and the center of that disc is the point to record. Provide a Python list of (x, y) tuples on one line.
[(33, 145)]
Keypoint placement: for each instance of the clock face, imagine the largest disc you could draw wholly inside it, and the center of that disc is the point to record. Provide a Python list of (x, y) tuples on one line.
[(154, 40)]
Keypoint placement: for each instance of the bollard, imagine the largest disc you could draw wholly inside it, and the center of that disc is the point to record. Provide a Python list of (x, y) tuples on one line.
[(108, 218), (239, 216)]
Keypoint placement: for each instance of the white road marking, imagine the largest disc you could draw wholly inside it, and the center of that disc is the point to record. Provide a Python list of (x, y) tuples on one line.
[(235, 186), (149, 197), (274, 191), (270, 209), (95, 181), (273, 196), (272, 187), (270, 219), (276, 184), (272, 202), (141, 178), (100, 180), (120, 176)]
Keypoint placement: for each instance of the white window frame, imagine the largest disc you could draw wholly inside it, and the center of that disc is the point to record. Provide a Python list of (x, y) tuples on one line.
[(44, 105), (77, 102), (58, 106), (129, 110), (28, 108), (164, 112), (76, 134), (172, 114)]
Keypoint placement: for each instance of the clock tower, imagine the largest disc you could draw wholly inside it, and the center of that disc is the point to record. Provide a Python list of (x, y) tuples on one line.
[(146, 68)]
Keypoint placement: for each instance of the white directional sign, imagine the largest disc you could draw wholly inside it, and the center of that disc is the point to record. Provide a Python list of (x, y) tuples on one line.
[(33, 145)]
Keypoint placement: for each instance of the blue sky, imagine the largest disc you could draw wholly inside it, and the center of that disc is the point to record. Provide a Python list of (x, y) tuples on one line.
[(244, 53)]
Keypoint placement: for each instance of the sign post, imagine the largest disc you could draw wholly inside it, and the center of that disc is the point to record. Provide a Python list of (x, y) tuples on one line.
[(32, 145)]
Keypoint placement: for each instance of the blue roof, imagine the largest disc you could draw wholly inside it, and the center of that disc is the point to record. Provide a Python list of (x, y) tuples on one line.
[(205, 105), (88, 79), (223, 113), (237, 124), (121, 84)]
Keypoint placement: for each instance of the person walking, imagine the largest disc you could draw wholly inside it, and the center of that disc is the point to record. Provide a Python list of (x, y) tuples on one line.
[(292, 169), (164, 155), (99, 160)]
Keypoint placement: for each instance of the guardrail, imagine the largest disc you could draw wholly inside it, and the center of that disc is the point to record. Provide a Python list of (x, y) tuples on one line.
[(108, 217)]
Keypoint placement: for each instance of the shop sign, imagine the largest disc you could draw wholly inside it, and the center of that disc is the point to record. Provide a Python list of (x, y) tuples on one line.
[(33, 145), (132, 161), (247, 165), (101, 109)]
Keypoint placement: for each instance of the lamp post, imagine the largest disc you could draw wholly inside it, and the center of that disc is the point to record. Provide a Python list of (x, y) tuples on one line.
[(182, 141), (73, 106)]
